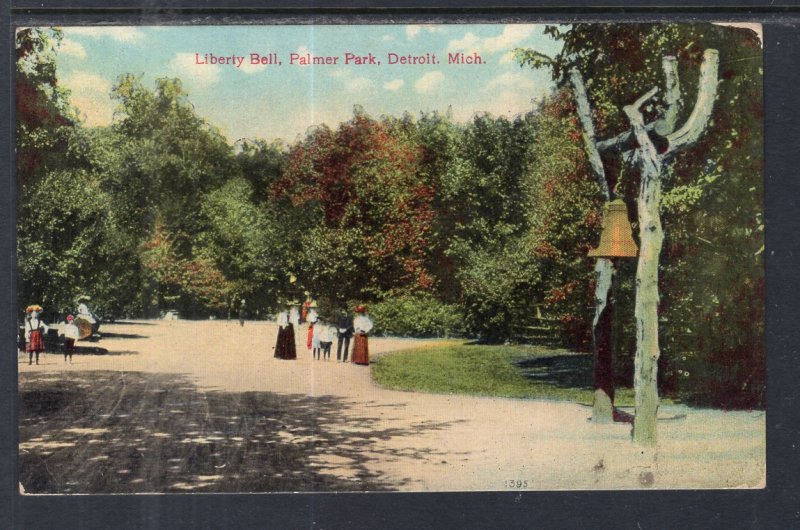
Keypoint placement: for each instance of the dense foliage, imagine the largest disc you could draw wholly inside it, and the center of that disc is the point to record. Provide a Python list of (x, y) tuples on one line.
[(443, 228), (712, 281), (419, 315)]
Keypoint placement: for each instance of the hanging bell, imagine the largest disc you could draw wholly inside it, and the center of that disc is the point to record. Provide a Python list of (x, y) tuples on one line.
[(616, 239)]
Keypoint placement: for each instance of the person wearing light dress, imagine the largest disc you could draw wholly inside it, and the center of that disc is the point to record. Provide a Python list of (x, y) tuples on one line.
[(362, 325)]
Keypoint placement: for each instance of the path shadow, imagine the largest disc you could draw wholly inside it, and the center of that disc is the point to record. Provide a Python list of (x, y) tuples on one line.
[(47, 357), (112, 336), (563, 371), (135, 432), (94, 350)]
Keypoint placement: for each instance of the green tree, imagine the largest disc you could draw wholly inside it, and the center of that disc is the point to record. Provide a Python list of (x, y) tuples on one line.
[(167, 159), (261, 163), (71, 244), (245, 241)]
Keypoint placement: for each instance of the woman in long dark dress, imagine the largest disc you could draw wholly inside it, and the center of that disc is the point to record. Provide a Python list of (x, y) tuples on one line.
[(285, 347)]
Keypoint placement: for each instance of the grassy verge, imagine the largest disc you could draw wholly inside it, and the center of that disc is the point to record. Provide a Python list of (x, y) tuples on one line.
[(535, 372)]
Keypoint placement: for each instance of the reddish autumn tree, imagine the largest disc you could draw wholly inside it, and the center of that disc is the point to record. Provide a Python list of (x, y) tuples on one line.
[(44, 119), (362, 211), (193, 285)]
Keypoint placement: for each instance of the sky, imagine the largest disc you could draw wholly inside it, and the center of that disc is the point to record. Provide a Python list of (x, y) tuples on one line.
[(283, 101)]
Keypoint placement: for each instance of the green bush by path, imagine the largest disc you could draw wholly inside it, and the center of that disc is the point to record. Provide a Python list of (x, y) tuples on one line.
[(417, 315), (534, 372)]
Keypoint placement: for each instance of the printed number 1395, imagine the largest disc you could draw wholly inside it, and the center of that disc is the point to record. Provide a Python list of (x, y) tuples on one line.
[(516, 483)]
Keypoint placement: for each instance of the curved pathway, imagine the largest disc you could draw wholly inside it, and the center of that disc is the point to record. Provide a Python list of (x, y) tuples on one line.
[(361, 434)]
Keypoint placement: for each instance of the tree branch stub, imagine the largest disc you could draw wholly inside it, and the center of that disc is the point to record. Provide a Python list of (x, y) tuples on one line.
[(701, 113), (672, 97), (588, 133), (647, 149)]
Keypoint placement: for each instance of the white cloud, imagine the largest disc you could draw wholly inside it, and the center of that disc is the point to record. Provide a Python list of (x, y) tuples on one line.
[(184, 64), (94, 112), (394, 84), (387, 38), (302, 50), (83, 82), (429, 82), (508, 103), (118, 33), (72, 48), (413, 30), (250, 68), (511, 36), (519, 80), (507, 57), (89, 94), (469, 42), (358, 83)]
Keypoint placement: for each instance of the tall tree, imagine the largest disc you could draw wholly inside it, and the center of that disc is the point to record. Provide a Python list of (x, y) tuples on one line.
[(366, 214), (168, 158)]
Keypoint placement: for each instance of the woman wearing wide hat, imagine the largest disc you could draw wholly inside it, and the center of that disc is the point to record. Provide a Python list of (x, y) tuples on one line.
[(285, 346), (363, 325), (34, 332)]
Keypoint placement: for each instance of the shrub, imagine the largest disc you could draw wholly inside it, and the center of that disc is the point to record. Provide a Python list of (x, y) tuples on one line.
[(416, 315)]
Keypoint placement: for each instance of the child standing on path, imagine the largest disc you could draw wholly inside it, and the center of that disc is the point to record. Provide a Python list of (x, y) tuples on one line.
[(326, 334), (71, 334)]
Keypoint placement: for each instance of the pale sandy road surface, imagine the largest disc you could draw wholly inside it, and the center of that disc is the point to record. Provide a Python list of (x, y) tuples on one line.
[(354, 434)]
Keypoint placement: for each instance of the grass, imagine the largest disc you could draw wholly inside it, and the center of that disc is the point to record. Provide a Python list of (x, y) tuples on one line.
[(533, 372)]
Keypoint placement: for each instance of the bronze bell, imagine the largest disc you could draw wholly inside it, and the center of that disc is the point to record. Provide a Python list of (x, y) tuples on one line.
[(616, 239)]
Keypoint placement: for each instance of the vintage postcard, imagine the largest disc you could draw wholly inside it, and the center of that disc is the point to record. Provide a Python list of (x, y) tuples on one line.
[(390, 257)]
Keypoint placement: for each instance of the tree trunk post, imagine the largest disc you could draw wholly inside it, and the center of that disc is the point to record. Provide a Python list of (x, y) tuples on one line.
[(603, 355), (645, 378), (602, 342), (651, 236)]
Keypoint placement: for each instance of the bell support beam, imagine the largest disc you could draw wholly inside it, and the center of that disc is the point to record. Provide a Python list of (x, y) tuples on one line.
[(603, 404)]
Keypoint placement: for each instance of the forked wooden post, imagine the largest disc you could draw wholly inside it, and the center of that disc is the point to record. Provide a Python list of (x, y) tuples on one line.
[(652, 165)]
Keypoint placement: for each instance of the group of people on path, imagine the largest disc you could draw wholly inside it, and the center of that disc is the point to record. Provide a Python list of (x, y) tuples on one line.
[(35, 328), (322, 332)]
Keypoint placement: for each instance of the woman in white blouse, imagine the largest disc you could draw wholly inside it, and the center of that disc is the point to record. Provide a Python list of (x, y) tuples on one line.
[(363, 325)]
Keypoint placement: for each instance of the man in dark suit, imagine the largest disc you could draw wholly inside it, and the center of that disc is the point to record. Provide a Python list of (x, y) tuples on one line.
[(345, 329)]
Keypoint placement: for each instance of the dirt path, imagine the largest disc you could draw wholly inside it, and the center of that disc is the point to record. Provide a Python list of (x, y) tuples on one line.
[(203, 406)]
